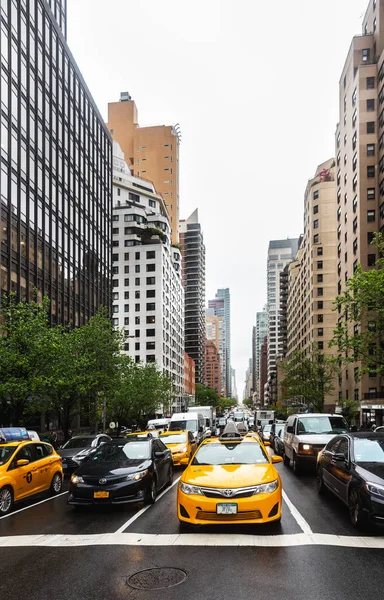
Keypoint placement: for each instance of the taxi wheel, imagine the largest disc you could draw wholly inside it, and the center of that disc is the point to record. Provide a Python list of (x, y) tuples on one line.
[(56, 483), (151, 493), (6, 500)]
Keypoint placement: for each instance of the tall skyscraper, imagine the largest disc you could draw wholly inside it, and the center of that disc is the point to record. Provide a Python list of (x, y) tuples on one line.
[(151, 153), (193, 252), (261, 332), (360, 172), (280, 253), (312, 276), (56, 164), (253, 360), (215, 331), (212, 367), (221, 306), (148, 298)]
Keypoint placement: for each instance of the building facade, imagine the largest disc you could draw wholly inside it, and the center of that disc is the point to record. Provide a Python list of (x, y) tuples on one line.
[(360, 174), (263, 398), (151, 153), (193, 251), (254, 363), (221, 306), (261, 332), (148, 297), (56, 164), (189, 380), (312, 276), (212, 367), (280, 253), (215, 331)]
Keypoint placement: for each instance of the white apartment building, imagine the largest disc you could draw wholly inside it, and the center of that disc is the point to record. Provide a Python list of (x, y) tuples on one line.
[(148, 297)]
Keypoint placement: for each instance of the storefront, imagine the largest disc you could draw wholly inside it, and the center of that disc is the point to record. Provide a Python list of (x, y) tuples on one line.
[(372, 413)]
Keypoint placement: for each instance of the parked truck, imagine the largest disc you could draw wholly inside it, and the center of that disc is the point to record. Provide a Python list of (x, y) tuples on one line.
[(209, 414)]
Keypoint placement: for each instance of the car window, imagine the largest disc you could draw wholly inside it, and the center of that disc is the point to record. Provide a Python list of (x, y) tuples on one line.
[(369, 450), (78, 442), (6, 453), (47, 449), (25, 453), (158, 446), (342, 447), (332, 444), (40, 451)]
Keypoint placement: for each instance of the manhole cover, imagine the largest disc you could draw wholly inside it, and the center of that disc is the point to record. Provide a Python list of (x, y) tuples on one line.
[(157, 579)]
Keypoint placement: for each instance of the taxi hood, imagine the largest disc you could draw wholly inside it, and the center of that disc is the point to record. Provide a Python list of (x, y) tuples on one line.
[(223, 476)]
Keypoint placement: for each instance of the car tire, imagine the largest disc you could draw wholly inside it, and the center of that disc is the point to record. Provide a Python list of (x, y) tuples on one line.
[(6, 500), (151, 493), (320, 485), (295, 466), (56, 484), (286, 460), (356, 514), (170, 477)]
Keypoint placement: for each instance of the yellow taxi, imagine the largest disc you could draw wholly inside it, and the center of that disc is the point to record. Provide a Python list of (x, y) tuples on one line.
[(27, 467), (181, 443), (142, 434), (230, 479)]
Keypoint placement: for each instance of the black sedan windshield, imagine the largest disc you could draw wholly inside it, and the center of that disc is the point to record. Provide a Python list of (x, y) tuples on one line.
[(78, 442), (230, 454), (122, 452), (369, 450), (322, 425)]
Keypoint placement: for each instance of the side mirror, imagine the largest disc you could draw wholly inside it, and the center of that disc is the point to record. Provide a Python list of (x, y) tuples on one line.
[(159, 454), (22, 462), (339, 457), (276, 459)]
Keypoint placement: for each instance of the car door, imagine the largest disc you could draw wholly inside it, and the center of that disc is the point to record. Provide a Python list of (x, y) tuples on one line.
[(161, 462), (42, 466), (326, 462), (288, 436), (341, 468), (26, 477)]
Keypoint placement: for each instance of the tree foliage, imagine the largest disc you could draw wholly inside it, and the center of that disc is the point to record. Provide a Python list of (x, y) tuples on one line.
[(205, 396), (310, 378), (359, 335)]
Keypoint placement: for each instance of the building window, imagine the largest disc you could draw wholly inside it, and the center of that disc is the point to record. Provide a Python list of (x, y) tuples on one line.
[(151, 280), (115, 257), (152, 203), (137, 359), (370, 235), (355, 263), (115, 231), (151, 293), (118, 191), (137, 268), (137, 280), (316, 209), (115, 217), (151, 254), (137, 307), (320, 291), (320, 331), (370, 149), (126, 307), (137, 295), (355, 246), (320, 318), (151, 267), (115, 322), (115, 296), (371, 260), (151, 305), (320, 278), (371, 193), (316, 195), (151, 345), (320, 304), (126, 347), (319, 252), (126, 256), (151, 358), (316, 224), (126, 320), (365, 53), (151, 332), (151, 319), (126, 295), (126, 282), (115, 270), (370, 126), (319, 264), (370, 83), (370, 104), (371, 216), (115, 283), (126, 269), (320, 345), (137, 255), (371, 171), (115, 308), (137, 320)]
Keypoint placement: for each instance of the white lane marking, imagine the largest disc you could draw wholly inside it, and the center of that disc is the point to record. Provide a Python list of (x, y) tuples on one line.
[(302, 523), (32, 505), (144, 509), (192, 539)]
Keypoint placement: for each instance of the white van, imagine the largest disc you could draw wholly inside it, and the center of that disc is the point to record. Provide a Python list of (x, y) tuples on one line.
[(159, 423), (192, 421)]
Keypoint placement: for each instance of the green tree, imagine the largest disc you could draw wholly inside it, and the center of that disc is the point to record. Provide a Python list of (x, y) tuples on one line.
[(359, 335), (248, 402), (310, 379), (349, 409), (205, 396), (25, 356)]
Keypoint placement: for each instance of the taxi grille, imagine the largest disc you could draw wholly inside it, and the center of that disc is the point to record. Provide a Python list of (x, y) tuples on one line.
[(235, 493), (240, 516)]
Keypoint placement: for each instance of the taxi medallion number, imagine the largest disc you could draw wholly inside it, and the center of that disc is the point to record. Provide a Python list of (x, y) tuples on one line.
[(226, 509), (101, 494)]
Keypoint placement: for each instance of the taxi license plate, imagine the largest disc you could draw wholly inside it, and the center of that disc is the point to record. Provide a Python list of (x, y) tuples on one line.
[(101, 494), (226, 509)]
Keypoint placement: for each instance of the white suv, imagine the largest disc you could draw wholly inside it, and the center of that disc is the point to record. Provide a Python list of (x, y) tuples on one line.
[(306, 434)]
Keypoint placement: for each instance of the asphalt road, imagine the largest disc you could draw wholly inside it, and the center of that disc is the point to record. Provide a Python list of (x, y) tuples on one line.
[(51, 551)]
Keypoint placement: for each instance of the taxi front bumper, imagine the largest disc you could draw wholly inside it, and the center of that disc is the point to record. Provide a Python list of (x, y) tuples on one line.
[(200, 510)]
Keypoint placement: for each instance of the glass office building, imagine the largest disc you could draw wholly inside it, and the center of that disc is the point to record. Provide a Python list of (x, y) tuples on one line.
[(56, 168)]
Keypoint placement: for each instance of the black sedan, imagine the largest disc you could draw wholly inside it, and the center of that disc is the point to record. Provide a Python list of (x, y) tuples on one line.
[(123, 471), (351, 466), (278, 440), (78, 448)]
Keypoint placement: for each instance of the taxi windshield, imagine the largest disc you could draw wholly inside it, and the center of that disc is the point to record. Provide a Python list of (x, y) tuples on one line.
[(177, 438), (230, 453), (6, 453), (78, 442), (122, 452)]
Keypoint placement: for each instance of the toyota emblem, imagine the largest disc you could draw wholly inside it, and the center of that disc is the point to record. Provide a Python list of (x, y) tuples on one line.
[(102, 481), (228, 493)]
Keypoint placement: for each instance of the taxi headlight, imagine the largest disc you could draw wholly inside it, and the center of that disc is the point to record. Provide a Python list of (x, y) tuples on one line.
[(190, 489), (137, 476), (266, 488), (375, 489), (77, 479)]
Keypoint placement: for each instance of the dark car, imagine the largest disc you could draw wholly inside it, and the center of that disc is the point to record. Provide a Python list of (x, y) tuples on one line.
[(275, 427), (278, 440), (266, 432), (123, 471), (351, 466), (78, 449)]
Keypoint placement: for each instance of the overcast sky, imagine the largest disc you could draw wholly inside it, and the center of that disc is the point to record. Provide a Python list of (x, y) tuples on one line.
[(254, 86)]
